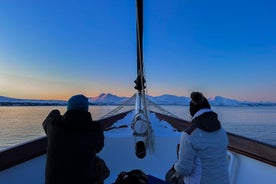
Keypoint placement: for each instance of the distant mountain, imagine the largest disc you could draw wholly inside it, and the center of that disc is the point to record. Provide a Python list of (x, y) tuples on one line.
[(170, 100), (167, 99), (8, 101), (221, 101), (110, 99), (107, 99)]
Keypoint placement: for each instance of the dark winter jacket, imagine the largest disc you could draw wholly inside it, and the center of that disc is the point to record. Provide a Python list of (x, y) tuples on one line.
[(73, 141), (206, 140)]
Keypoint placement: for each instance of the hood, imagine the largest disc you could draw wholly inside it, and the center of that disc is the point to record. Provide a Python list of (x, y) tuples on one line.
[(208, 122)]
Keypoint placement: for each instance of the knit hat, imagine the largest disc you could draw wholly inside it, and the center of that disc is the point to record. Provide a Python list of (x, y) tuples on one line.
[(198, 101), (78, 102)]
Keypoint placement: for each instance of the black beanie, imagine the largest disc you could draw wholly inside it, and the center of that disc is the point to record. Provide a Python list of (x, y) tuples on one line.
[(198, 101), (78, 102)]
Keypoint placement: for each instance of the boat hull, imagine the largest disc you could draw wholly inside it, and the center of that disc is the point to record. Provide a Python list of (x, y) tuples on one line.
[(249, 161), (119, 154)]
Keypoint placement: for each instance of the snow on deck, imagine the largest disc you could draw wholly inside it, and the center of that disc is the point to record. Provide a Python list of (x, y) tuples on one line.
[(119, 149), (159, 127)]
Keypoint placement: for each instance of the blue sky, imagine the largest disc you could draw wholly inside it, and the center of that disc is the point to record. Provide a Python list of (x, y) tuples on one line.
[(55, 49)]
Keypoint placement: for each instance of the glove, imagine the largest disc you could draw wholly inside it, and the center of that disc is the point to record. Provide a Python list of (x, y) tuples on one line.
[(173, 177)]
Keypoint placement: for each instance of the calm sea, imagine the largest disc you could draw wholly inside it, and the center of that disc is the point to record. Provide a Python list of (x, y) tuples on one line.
[(20, 124)]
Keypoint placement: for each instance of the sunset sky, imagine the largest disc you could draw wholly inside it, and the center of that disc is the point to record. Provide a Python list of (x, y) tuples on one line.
[(52, 49)]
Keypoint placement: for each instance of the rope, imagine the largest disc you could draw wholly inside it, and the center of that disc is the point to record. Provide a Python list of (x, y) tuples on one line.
[(128, 102)]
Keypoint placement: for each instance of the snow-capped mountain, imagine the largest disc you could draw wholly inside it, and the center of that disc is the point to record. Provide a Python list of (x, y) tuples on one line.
[(110, 99), (221, 101), (107, 99), (168, 99)]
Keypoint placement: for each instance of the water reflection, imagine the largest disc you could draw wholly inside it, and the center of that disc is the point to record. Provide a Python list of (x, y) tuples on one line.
[(20, 124)]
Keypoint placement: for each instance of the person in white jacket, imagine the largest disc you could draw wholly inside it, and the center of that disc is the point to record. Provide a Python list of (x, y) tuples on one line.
[(203, 147)]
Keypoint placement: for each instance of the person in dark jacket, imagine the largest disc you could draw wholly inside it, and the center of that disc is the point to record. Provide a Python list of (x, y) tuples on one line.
[(203, 148), (74, 139)]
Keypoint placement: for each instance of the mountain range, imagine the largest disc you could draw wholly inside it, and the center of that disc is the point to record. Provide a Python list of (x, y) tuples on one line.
[(111, 99)]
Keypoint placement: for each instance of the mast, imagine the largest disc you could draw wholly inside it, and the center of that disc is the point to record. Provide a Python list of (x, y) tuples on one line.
[(141, 126), (140, 80)]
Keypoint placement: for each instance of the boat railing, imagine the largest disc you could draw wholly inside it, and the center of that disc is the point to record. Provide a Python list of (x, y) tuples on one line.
[(17, 154), (251, 148), (241, 145)]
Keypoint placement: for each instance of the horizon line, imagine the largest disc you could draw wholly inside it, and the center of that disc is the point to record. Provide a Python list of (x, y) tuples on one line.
[(106, 93)]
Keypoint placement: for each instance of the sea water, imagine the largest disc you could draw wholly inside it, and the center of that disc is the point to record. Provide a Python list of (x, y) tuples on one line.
[(23, 123)]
